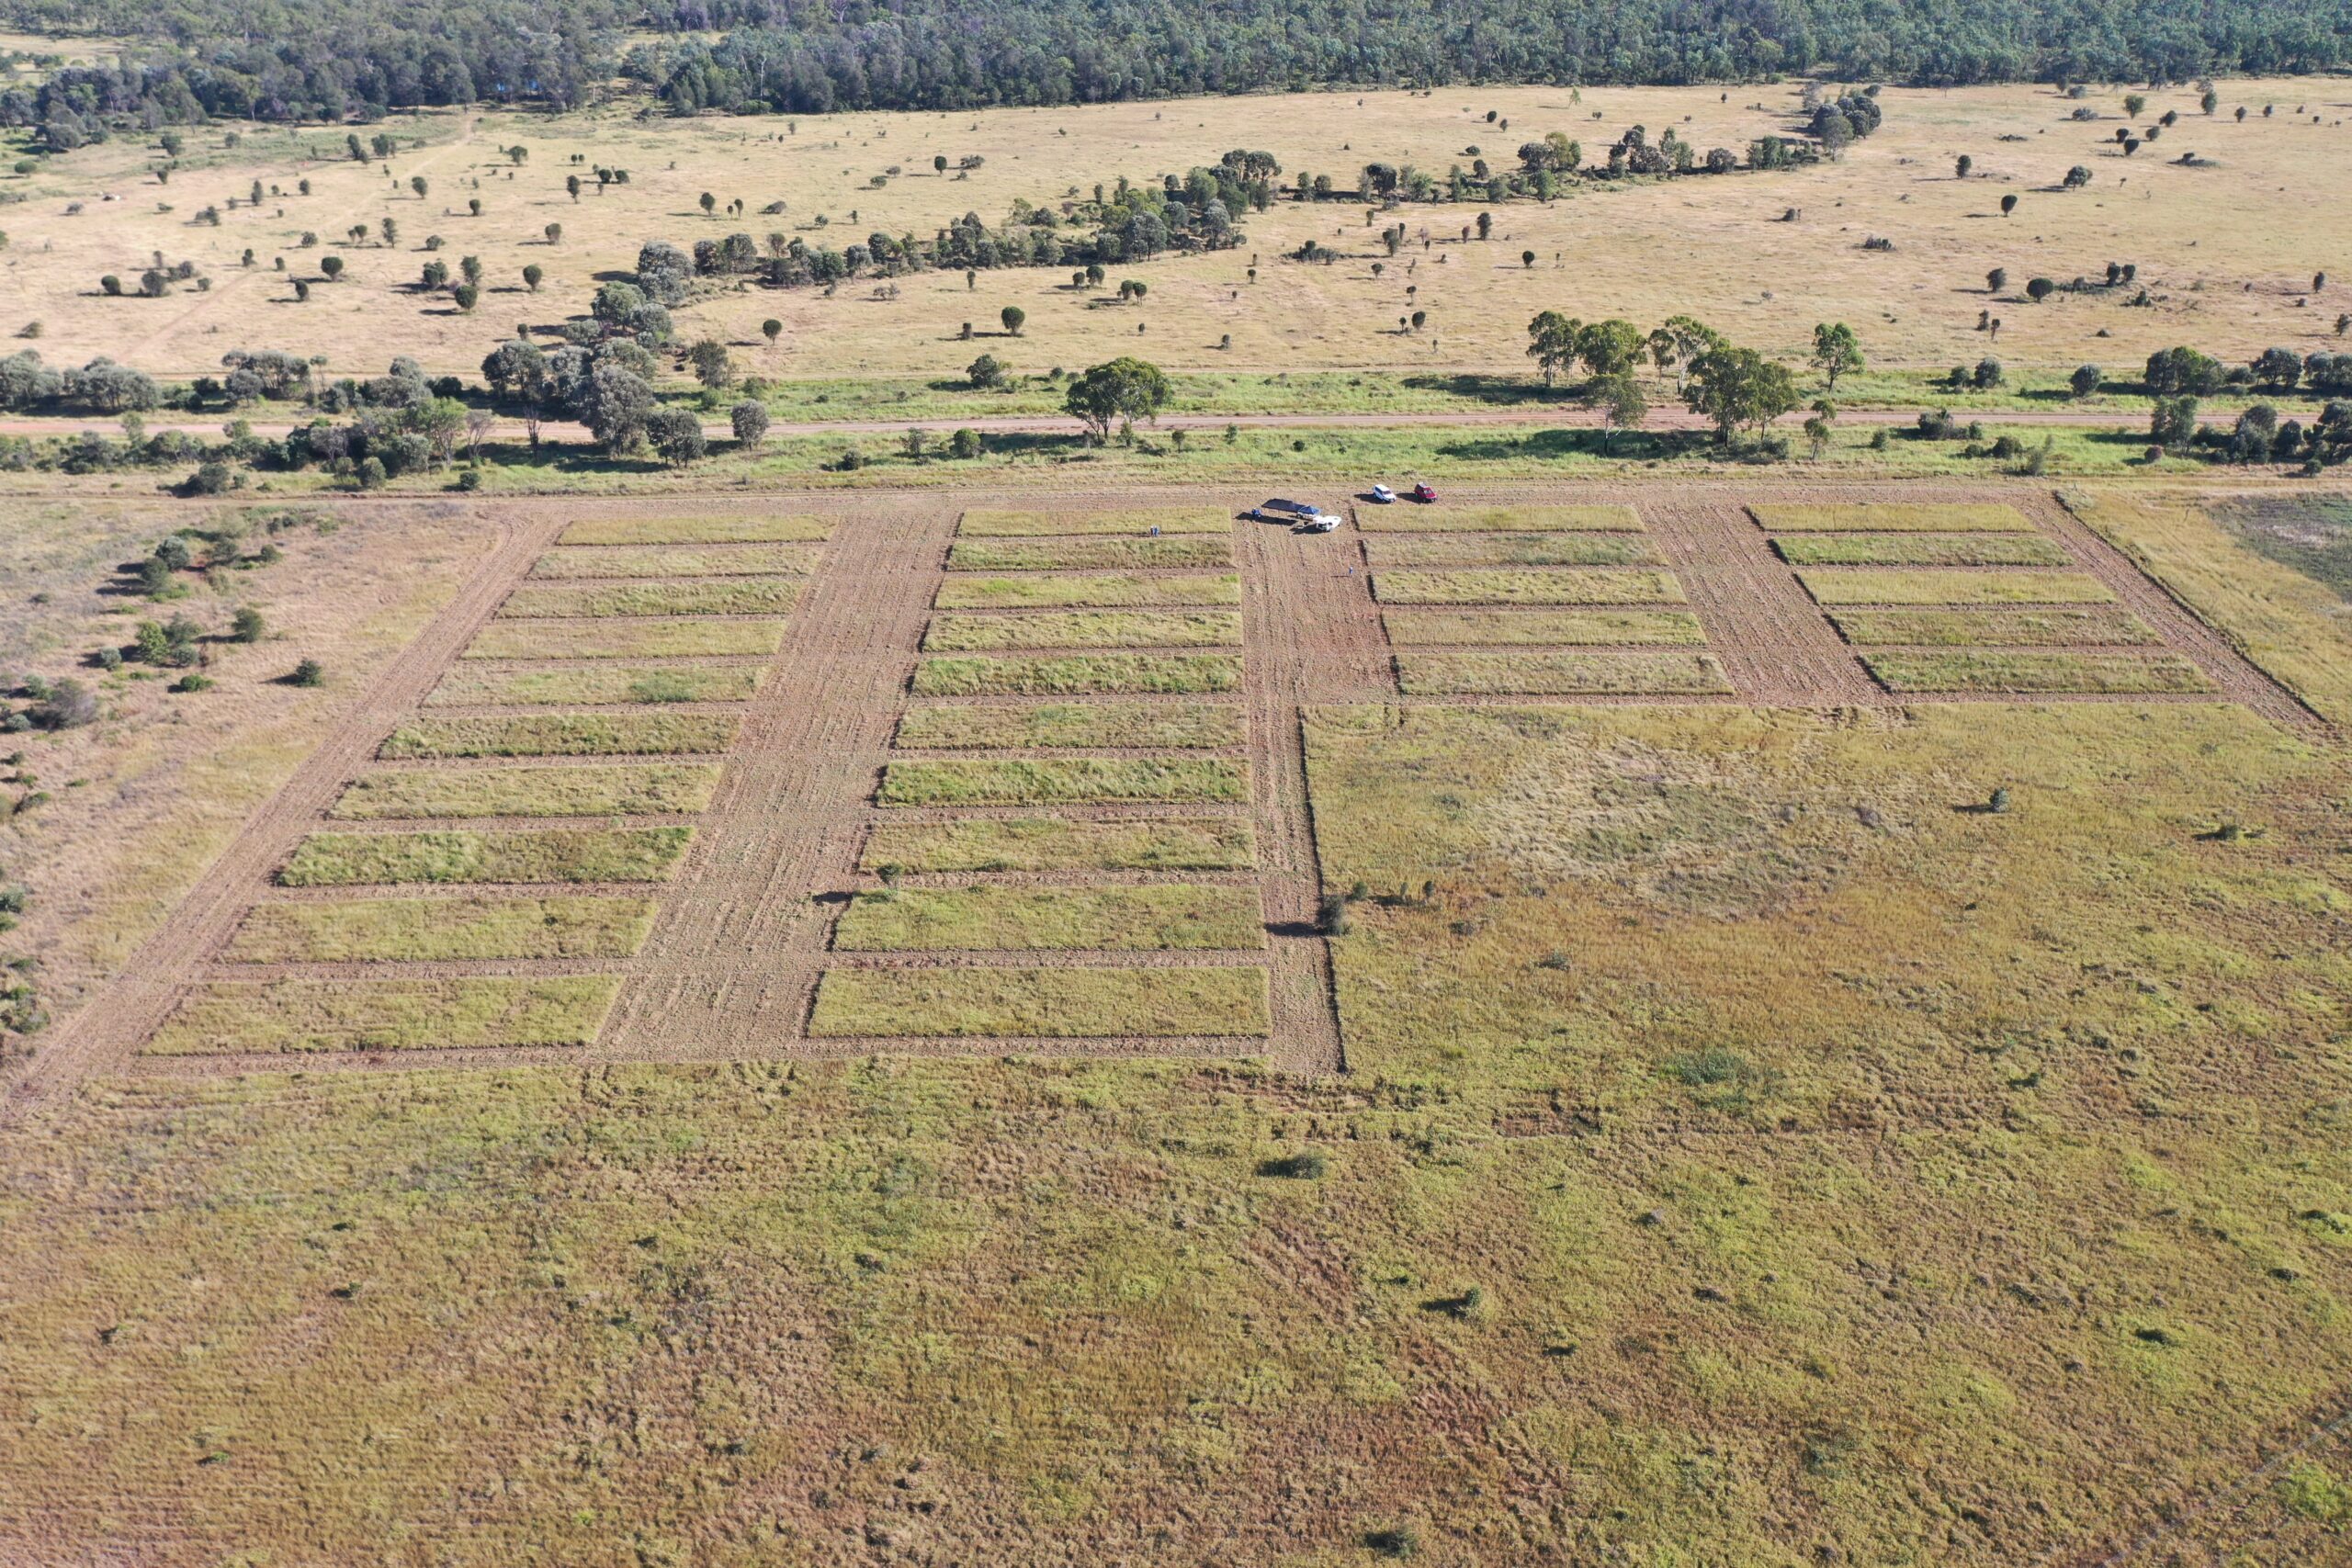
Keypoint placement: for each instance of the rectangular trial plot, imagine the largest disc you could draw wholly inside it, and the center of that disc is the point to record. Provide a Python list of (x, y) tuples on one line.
[(1084, 629), (478, 687), (655, 789), (1526, 587), (1101, 590), (747, 530), (404, 930), (1573, 629), (1920, 549), (1010, 918), (1065, 725), (1960, 517), (1856, 585), (1057, 844), (237, 1016), (986, 523), (2027, 673), (1509, 549), (1992, 629), (1498, 519), (561, 735), (1078, 675), (627, 639), (1041, 1003), (709, 596), (1170, 553), (559, 854), (1560, 674), (1062, 780), (644, 560)]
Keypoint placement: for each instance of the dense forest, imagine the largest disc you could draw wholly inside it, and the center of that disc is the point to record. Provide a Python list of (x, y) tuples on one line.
[(333, 59)]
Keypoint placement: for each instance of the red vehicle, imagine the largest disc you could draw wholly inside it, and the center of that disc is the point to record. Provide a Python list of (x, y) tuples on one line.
[(1424, 494)]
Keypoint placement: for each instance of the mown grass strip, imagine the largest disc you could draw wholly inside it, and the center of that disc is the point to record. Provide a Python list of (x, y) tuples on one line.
[(1526, 587), (1010, 918), (1096, 589), (1053, 726), (709, 596), (1084, 629), (619, 639), (556, 854), (1176, 552), (1055, 843), (478, 687), (989, 523), (641, 561), (1573, 629), (561, 735), (1958, 518), (408, 930), (1992, 629), (1920, 549), (1498, 519), (1509, 549), (1078, 675), (237, 1016), (785, 529), (2036, 674), (1062, 780), (1042, 1003), (1560, 674), (658, 789), (1862, 585)]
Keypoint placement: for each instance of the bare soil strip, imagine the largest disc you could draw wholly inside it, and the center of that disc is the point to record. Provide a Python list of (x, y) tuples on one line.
[(1772, 639)]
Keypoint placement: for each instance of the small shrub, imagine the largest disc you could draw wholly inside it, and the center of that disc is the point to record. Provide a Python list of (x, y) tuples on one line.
[(246, 625), (309, 673), (194, 680), (1308, 1165)]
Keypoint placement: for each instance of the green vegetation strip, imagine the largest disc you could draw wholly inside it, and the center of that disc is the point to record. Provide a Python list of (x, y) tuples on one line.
[(463, 687), (1078, 675), (1084, 629), (1042, 1003), (1052, 843), (2036, 672), (1992, 629), (697, 530), (1102, 589), (655, 788), (717, 596), (1499, 519), (1062, 780), (640, 560), (1068, 725), (611, 639), (1510, 549), (1863, 586), (1574, 628), (1920, 549), (562, 735), (1171, 554), (1009, 919), (585, 854), (1989, 517), (1533, 587), (1560, 674), (989, 523), (392, 930), (384, 1015)]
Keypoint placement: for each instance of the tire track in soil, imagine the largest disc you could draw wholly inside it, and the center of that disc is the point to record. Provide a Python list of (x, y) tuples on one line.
[(106, 1033), (1772, 639)]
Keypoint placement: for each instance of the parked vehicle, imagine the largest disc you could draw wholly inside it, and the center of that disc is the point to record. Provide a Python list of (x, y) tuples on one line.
[(1321, 523), (1424, 494), (1381, 495)]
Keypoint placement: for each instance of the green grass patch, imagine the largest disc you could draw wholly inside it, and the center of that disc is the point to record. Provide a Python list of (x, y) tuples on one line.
[(986, 523), (639, 560), (1992, 629), (1108, 590), (1575, 628), (1009, 919), (1835, 585), (562, 735), (1499, 519), (614, 639), (1071, 725), (1084, 629), (661, 787), (463, 687), (1054, 843), (233, 1016), (433, 929), (1510, 549), (1560, 674), (1526, 587), (785, 529), (1042, 1003), (555, 854), (2035, 673), (1078, 675), (717, 596), (1964, 517), (1169, 553), (1062, 780), (1920, 549)]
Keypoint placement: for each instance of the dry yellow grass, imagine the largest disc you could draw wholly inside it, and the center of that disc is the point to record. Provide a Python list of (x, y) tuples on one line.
[(715, 530), (1894, 517), (1862, 585), (383, 1015), (1450, 519), (638, 639)]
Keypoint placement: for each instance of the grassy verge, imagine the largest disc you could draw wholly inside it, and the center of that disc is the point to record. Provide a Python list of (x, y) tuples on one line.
[(561, 854), (719, 596), (1063, 781), (1504, 587), (1078, 675), (1499, 519), (1992, 628), (987, 522), (1066, 724), (1560, 674), (1509, 549), (1052, 843), (465, 687), (697, 530), (1172, 554), (1006, 919), (660, 787), (1084, 629), (1101, 589), (609, 639), (636, 560), (384, 1015), (1835, 585), (2027, 674), (1920, 549), (1570, 627), (1041, 1003), (1954, 517), (562, 735), (428, 928)]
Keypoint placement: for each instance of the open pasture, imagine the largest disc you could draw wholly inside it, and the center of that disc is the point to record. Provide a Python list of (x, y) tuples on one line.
[(295, 1016), (1526, 587), (1454, 519), (1096, 589), (1891, 517), (626, 639), (1920, 549), (560, 735), (1070, 725), (1061, 844), (985, 919), (786, 528), (495, 856), (395, 929), (1992, 628), (594, 686), (1172, 553), (2035, 673), (1083, 674), (1567, 629), (1044, 1004), (1063, 781), (706, 596), (1387, 552), (637, 789), (648, 561), (1862, 585), (1083, 628), (1560, 674)]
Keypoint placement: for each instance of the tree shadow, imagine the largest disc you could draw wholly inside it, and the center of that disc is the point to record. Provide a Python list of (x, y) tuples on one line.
[(1503, 391)]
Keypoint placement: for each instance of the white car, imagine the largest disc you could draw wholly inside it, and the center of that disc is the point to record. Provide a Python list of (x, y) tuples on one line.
[(1383, 494), (1321, 523)]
